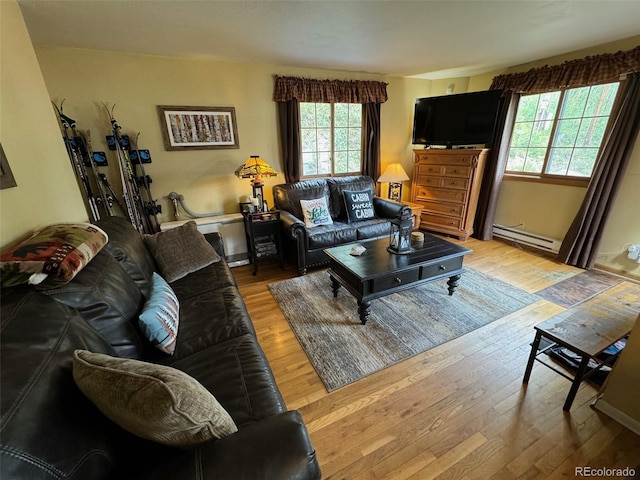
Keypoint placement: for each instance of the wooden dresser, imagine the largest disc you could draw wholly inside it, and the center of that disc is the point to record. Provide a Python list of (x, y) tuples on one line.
[(447, 183)]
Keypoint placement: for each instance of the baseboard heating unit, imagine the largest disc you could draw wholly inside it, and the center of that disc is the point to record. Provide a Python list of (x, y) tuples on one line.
[(231, 229), (525, 238)]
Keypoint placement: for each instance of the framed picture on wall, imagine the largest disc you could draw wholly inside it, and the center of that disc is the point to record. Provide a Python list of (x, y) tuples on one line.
[(193, 128), (6, 176)]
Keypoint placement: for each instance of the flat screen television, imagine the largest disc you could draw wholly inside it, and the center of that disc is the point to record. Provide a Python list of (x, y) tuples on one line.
[(456, 120)]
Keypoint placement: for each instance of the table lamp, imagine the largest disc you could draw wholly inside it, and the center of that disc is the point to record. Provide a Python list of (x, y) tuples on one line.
[(395, 175), (255, 168)]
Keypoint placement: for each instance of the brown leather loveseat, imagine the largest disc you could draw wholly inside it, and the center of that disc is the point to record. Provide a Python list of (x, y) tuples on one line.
[(304, 245)]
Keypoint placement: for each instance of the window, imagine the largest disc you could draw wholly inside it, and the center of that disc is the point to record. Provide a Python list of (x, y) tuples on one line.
[(331, 138), (559, 134)]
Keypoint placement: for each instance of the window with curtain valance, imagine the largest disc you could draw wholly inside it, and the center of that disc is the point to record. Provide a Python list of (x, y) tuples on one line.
[(322, 132), (580, 244)]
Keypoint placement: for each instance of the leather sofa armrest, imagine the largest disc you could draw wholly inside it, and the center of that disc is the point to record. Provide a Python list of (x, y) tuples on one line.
[(277, 447), (216, 242), (291, 224), (385, 208)]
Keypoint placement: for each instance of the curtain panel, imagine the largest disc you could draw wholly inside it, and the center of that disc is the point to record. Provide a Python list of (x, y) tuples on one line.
[(591, 70), (494, 169), (329, 91), (580, 245)]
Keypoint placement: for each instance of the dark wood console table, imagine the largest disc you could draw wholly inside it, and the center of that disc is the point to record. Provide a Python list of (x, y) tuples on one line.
[(377, 272)]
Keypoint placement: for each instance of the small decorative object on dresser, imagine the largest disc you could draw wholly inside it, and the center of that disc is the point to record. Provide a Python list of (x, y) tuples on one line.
[(447, 184)]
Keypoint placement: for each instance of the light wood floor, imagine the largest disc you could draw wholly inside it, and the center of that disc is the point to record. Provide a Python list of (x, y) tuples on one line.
[(458, 411)]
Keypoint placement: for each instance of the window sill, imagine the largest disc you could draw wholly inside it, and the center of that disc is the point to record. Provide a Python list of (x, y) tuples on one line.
[(569, 181)]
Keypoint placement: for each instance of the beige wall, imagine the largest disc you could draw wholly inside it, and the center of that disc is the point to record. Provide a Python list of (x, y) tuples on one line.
[(621, 391), (46, 190), (136, 84)]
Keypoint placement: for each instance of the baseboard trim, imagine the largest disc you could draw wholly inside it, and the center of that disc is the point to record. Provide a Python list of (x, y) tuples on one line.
[(618, 415), (620, 273)]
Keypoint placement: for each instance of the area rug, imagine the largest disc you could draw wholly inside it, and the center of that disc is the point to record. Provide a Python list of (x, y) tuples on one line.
[(579, 288), (402, 325)]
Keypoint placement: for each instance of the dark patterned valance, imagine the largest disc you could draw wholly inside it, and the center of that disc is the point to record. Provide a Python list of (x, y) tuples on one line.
[(329, 91), (574, 73)]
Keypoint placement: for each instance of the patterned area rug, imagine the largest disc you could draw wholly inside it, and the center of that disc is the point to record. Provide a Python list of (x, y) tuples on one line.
[(342, 350), (580, 287)]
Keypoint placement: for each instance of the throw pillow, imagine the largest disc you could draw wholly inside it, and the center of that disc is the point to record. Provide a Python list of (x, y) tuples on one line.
[(181, 251), (152, 401), (315, 212), (160, 316), (359, 205), (53, 255)]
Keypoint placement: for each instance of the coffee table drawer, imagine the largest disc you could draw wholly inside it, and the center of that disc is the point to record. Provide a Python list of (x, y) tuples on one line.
[(440, 268), (394, 280)]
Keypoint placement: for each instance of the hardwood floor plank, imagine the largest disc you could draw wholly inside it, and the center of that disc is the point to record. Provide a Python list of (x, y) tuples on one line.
[(459, 410)]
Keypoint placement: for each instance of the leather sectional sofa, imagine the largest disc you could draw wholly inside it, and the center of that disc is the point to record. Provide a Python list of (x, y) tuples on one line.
[(304, 245), (50, 430)]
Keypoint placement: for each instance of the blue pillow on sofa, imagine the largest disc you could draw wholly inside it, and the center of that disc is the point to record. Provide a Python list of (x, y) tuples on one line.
[(359, 205), (159, 319)]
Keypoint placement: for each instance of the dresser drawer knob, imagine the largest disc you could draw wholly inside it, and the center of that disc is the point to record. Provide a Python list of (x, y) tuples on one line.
[(398, 280), (442, 268)]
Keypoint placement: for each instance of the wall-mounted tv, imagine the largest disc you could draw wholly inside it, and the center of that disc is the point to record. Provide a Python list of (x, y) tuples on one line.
[(456, 120)]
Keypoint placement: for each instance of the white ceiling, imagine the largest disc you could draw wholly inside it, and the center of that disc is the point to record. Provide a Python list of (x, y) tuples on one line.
[(431, 39)]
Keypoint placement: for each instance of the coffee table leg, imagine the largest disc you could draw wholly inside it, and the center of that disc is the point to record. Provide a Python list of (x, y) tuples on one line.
[(364, 308), (335, 285), (453, 283)]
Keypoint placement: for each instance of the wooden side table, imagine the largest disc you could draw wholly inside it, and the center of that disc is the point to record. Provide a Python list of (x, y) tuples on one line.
[(416, 211), (586, 330), (264, 238)]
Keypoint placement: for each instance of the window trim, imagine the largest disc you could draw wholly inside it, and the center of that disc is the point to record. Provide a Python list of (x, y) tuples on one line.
[(332, 152), (549, 178)]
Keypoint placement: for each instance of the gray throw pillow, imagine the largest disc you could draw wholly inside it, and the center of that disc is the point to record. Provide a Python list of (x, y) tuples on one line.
[(181, 251), (155, 402)]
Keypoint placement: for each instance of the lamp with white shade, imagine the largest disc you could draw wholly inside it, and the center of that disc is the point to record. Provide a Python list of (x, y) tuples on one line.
[(395, 175)]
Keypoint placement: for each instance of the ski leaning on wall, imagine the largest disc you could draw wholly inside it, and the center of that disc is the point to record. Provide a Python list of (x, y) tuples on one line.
[(151, 208), (97, 198), (142, 214)]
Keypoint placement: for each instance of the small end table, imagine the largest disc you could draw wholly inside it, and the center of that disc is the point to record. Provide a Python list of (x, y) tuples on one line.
[(416, 211), (264, 238), (587, 332)]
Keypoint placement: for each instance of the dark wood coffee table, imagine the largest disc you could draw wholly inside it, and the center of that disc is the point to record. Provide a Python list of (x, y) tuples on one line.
[(377, 272)]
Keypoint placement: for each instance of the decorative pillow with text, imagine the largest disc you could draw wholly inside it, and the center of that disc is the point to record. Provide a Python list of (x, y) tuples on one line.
[(359, 205), (316, 212)]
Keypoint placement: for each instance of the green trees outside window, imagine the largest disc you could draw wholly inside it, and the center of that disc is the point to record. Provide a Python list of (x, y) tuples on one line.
[(331, 138), (559, 134)]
